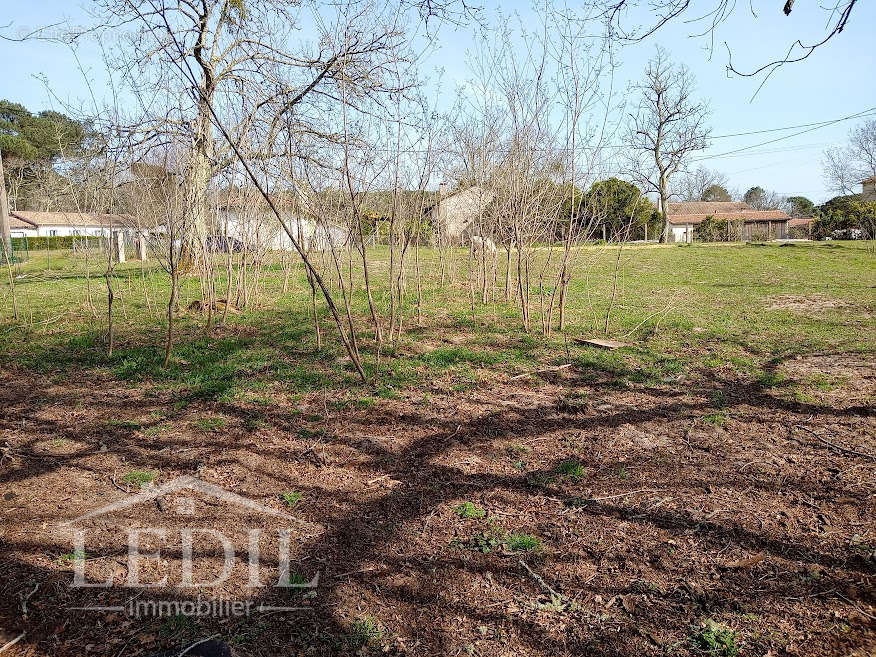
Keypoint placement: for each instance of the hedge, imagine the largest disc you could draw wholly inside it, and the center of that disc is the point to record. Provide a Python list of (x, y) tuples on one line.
[(53, 242)]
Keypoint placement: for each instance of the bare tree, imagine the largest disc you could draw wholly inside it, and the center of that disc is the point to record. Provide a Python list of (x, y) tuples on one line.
[(695, 184), (845, 167), (709, 15), (666, 128)]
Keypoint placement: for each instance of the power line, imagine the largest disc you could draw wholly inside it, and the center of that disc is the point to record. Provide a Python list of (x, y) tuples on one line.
[(866, 112)]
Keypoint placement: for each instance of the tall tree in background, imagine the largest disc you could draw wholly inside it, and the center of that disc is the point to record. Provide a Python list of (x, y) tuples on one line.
[(715, 193), (618, 205), (760, 199), (846, 166), (695, 184), (31, 144), (668, 126)]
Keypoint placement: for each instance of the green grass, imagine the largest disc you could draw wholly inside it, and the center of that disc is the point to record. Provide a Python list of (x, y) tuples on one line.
[(139, 477), (523, 542), (715, 419), (291, 498), (210, 423), (703, 307), (469, 510), (571, 470), (364, 632)]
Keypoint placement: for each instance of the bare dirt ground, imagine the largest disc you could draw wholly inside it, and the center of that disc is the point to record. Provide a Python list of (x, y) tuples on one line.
[(707, 499)]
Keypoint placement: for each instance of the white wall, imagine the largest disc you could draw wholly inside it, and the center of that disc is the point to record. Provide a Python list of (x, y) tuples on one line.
[(681, 232), (61, 231), (267, 232)]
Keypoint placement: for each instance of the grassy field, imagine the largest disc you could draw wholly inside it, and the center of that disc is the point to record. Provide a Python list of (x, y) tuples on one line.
[(678, 307), (705, 490)]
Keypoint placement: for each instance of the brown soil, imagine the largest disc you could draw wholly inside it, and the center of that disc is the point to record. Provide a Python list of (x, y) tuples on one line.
[(756, 514), (814, 303)]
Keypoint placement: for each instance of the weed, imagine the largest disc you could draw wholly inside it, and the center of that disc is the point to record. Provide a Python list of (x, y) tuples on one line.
[(622, 472), (124, 424), (291, 498), (571, 470), (715, 639), (444, 357), (254, 423), (771, 379), (139, 477), (386, 392), (486, 542), (469, 510), (540, 479), (210, 423), (718, 399), (364, 631), (70, 557), (518, 465), (716, 419), (523, 542)]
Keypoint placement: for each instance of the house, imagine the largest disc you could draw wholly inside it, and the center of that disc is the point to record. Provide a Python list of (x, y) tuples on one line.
[(62, 224), (455, 213), (258, 228), (754, 224), (19, 227), (868, 189)]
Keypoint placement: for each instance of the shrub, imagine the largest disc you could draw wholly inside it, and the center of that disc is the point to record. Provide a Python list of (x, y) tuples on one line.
[(715, 639)]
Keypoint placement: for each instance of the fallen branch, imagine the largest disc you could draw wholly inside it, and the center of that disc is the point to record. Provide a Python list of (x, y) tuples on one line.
[(547, 369), (13, 642), (538, 578), (632, 492), (839, 448), (24, 598)]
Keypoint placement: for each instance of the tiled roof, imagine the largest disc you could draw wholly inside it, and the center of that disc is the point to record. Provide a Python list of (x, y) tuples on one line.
[(800, 221), (707, 207), (70, 218), (694, 212), (17, 223)]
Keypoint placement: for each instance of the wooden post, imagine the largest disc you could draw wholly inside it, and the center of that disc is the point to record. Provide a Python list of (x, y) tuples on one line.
[(603, 233), (5, 232), (119, 244), (141, 246), (646, 231)]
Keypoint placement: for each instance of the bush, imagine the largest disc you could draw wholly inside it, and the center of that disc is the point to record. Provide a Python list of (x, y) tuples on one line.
[(844, 213), (717, 230)]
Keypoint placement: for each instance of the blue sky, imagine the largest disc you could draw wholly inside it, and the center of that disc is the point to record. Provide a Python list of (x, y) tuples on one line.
[(836, 81)]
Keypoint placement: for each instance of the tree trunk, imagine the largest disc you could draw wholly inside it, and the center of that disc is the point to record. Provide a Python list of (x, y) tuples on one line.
[(171, 305), (5, 233)]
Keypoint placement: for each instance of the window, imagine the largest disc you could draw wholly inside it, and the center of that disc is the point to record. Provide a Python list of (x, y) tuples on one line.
[(53, 233), (75, 233)]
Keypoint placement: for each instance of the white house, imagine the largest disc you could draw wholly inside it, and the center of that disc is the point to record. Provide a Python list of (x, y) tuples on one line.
[(262, 230), (61, 224)]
